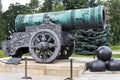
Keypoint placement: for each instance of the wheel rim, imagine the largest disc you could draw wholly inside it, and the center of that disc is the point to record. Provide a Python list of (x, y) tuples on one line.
[(44, 46)]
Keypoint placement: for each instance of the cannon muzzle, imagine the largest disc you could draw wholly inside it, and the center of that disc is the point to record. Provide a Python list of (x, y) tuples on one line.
[(87, 18)]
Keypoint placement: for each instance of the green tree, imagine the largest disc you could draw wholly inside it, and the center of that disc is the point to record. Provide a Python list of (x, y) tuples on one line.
[(75, 4), (2, 26), (58, 7), (89, 40), (56, 2), (34, 6), (47, 6), (113, 7), (2, 29), (52, 5), (10, 15)]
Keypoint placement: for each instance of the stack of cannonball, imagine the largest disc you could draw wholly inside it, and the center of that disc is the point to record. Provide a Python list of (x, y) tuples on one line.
[(104, 61)]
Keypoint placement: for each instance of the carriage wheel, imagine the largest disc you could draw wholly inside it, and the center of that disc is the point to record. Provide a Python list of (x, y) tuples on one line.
[(44, 46), (66, 51)]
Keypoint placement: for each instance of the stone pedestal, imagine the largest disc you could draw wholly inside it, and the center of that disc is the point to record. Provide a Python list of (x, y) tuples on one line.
[(57, 68)]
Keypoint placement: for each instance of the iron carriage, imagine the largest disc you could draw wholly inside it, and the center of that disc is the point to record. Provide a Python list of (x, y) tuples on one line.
[(47, 36)]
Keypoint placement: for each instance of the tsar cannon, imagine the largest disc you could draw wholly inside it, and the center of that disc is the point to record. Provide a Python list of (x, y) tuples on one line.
[(47, 36)]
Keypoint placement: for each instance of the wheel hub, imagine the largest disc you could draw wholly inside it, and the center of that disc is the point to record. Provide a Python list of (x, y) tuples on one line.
[(43, 46)]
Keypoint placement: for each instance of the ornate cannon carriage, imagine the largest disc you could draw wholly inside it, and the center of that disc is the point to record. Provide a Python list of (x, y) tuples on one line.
[(47, 36)]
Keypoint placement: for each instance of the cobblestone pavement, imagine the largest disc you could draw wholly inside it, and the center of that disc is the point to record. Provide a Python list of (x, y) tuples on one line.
[(99, 77), (107, 75), (18, 76), (86, 76)]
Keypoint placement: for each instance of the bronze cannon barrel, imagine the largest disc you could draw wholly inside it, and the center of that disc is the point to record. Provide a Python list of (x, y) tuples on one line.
[(86, 18)]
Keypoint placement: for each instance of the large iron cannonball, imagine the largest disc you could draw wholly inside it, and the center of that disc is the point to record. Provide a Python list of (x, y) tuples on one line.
[(104, 53), (97, 65), (113, 65)]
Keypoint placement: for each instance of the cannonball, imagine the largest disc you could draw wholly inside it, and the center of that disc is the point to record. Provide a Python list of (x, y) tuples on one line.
[(104, 53), (97, 65), (113, 65)]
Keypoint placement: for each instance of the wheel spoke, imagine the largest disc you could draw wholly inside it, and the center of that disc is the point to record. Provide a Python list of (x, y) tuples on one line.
[(45, 56), (43, 37), (50, 52), (51, 45), (35, 42), (49, 39), (36, 47), (38, 53), (37, 39)]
